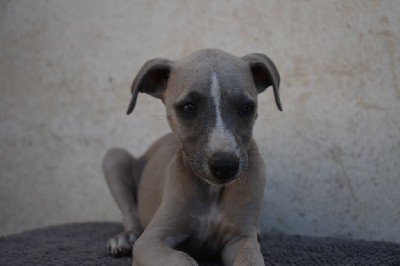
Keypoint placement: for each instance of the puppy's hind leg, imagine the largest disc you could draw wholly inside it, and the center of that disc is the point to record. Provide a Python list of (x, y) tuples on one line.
[(123, 173)]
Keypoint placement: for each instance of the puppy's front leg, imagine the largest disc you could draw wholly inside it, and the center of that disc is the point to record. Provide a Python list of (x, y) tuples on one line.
[(243, 251), (151, 249)]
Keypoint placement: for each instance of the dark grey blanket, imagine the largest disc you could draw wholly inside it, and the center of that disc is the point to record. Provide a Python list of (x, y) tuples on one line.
[(84, 244)]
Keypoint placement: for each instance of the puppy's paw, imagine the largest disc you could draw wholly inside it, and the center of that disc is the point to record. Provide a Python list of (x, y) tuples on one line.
[(121, 244)]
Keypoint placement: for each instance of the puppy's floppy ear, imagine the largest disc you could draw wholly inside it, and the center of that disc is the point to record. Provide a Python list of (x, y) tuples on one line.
[(264, 73), (151, 79)]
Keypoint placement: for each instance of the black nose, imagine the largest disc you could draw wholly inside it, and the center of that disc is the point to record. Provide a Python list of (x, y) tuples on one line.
[(223, 165)]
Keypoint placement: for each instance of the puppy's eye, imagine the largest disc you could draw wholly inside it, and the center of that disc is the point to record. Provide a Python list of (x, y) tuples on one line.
[(188, 108), (247, 109)]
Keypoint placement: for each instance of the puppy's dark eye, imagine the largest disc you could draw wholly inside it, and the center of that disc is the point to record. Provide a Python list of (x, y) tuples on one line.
[(188, 108), (247, 109)]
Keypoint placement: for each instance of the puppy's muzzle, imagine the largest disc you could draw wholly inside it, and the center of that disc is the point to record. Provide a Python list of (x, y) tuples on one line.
[(223, 166)]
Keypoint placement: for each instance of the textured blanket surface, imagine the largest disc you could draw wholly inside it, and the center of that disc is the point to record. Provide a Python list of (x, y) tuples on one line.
[(85, 244)]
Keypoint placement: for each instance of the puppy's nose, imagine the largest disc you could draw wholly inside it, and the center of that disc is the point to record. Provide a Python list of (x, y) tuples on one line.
[(223, 165)]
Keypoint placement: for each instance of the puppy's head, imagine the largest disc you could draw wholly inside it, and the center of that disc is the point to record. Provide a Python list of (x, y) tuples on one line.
[(211, 105)]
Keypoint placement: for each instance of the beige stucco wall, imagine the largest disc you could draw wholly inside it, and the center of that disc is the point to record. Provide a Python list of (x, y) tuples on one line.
[(332, 156)]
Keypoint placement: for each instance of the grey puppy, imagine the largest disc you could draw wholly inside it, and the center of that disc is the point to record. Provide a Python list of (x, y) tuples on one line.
[(199, 189)]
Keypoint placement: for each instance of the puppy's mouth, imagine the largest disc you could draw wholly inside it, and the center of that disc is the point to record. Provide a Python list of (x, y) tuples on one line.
[(219, 183)]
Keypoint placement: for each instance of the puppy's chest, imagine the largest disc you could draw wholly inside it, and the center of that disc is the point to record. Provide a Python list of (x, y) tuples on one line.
[(212, 228)]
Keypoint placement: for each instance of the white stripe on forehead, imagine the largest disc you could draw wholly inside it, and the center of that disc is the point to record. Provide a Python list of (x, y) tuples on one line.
[(216, 96), (220, 138)]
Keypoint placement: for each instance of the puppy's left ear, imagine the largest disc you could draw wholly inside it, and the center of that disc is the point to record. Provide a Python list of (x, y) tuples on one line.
[(151, 79), (264, 73)]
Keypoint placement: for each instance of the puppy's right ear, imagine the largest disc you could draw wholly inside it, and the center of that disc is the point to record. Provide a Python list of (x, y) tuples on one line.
[(151, 79)]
